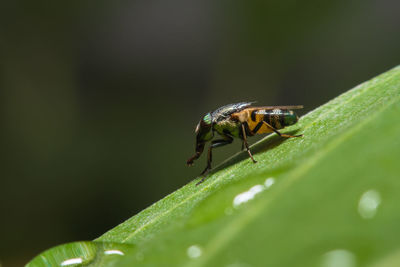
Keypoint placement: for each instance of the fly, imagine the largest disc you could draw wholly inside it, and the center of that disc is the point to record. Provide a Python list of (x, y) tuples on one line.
[(240, 120)]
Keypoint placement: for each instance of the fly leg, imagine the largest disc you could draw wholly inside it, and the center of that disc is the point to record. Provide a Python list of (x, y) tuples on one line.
[(246, 144), (216, 143), (209, 160), (190, 161), (279, 133)]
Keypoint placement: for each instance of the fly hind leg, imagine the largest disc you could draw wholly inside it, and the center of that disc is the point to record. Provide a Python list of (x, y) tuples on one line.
[(279, 133)]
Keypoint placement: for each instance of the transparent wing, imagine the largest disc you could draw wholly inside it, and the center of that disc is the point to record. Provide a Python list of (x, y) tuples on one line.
[(279, 107)]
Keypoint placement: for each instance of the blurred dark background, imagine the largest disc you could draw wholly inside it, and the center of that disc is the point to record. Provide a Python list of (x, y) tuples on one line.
[(99, 99)]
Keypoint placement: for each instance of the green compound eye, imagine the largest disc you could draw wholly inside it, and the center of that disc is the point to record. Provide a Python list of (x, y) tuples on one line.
[(207, 118)]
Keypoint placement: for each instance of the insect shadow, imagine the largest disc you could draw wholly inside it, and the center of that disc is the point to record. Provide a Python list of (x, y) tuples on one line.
[(263, 145)]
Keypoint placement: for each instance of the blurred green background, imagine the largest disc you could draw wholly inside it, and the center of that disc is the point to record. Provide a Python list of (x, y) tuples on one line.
[(99, 99)]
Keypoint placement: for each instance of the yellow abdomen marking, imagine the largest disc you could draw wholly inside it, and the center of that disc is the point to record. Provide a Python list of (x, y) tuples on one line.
[(253, 124), (253, 118)]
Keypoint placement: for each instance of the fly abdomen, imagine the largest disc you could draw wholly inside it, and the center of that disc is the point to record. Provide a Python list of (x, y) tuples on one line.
[(280, 118), (265, 120)]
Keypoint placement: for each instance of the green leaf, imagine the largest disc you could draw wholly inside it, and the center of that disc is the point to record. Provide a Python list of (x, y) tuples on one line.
[(327, 199), (84, 253)]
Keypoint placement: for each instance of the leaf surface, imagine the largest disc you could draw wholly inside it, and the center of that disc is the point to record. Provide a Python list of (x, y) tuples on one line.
[(330, 197)]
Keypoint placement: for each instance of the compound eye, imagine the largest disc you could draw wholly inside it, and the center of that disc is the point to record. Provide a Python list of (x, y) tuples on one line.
[(204, 124), (207, 119)]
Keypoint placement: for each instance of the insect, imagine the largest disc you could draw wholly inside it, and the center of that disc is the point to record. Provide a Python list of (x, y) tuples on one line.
[(240, 120)]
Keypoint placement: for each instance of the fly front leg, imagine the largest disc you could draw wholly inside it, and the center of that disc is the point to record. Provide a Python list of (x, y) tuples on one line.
[(199, 150), (214, 144), (246, 144), (279, 133)]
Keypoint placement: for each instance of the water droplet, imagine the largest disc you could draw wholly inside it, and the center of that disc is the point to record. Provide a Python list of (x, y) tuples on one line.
[(369, 203), (194, 251), (72, 261), (252, 192), (114, 252), (81, 253), (269, 182), (247, 195), (338, 258)]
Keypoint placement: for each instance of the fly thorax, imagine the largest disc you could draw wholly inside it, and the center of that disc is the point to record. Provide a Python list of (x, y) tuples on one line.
[(227, 126), (240, 116)]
